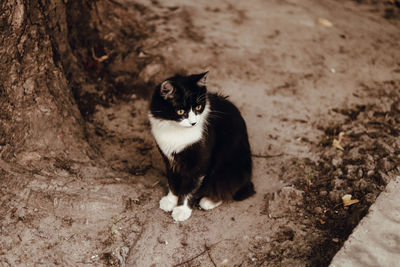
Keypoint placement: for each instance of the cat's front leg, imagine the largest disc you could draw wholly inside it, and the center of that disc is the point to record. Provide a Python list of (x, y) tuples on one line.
[(168, 202), (183, 212)]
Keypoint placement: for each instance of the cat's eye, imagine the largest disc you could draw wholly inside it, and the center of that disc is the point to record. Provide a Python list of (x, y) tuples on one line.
[(198, 107), (180, 112)]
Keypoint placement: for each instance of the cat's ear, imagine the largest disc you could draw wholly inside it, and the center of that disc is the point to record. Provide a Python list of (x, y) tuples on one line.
[(167, 90), (202, 79)]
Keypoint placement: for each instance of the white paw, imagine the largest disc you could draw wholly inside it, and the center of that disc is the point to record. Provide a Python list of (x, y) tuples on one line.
[(208, 204), (181, 213), (168, 203)]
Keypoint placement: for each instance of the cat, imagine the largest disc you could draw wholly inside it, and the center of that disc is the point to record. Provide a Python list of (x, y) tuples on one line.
[(203, 141)]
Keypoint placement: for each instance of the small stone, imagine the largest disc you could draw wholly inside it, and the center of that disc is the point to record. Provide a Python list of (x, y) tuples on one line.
[(384, 177), (323, 193), (338, 172), (336, 240), (224, 262), (337, 183), (361, 184), (386, 164), (370, 198), (354, 153), (318, 210), (161, 240), (334, 196), (370, 173), (360, 173), (387, 148), (337, 162), (351, 170), (150, 71)]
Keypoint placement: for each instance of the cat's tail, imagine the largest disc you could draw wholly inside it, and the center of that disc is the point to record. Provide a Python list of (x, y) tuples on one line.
[(244, 192)]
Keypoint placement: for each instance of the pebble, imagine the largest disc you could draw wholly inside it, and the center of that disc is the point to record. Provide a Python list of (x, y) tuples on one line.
[(370, 198), (150, 71), (361, 184), (334, 196), (385, 178), (337, 183), (339, 172), (224, 262), (360, 173), (337, 162), (323, 193), (354, 153), (161, 240), (351, 170), (370, 173), (318, 210), (386, 164), (385, 146)]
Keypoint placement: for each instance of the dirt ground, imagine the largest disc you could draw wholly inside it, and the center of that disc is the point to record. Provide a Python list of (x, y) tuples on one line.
[(301, 73)]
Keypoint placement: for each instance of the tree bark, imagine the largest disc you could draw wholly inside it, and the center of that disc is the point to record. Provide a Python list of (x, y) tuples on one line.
[(38, 114), (53, 72)]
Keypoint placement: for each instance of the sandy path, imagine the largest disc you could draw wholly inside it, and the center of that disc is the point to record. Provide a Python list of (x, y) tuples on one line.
[(286, 72)]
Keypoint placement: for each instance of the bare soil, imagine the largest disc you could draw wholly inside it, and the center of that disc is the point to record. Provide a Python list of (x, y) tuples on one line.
[(298, 80)]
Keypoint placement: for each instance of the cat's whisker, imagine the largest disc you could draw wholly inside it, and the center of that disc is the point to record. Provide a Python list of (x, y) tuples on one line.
[(201, 98), (219, 112), (211, 115)]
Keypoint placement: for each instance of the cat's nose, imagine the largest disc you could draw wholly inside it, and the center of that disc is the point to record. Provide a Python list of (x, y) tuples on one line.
[(193, 123)]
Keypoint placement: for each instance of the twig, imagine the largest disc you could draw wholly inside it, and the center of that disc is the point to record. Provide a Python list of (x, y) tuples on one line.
[(266, 156), (209, 255), (206, 250), (193, 258), (156, 183), (132, 246), (337, 205), (98, 59)]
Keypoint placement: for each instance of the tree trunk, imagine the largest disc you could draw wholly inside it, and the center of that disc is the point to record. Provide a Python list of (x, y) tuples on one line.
[(59, 61), (39, 116), (57, 56)]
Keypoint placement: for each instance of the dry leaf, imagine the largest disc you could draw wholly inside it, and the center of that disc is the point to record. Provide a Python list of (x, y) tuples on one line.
[(347, 201), (325, 22), (336, 142)]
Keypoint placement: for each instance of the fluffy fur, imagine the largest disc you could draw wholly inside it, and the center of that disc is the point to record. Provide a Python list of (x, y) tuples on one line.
[(204, 143)]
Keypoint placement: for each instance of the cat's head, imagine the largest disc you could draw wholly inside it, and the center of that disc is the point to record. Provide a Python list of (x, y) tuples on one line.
[(181, 99)]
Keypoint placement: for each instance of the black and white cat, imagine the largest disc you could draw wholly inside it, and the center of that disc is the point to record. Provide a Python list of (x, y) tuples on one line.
[(203, 140)]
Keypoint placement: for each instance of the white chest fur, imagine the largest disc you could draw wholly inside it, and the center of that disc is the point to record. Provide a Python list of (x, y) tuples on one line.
[(172, 137)]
